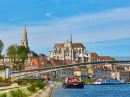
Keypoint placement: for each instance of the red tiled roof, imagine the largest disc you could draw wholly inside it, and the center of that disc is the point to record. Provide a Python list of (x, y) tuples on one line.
[(94, 55), (36, 62), (55, 62), (59, 45), (73, 45), (77, 45), (105, 58), (78, 68)]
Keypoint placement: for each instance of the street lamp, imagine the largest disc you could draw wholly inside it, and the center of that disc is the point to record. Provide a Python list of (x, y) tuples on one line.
[(5, 70)]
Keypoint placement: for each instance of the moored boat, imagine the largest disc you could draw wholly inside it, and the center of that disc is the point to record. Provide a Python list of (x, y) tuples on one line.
[(73, 82), (106, 82)]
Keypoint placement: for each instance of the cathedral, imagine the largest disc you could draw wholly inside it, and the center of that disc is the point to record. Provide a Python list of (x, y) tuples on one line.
[(69, 51)]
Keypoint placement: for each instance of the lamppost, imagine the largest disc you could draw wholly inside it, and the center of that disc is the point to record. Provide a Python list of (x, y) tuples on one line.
[(5, 70)]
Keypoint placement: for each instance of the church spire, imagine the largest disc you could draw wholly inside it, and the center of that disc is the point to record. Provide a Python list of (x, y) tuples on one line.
[(24, 40), (70, 38)]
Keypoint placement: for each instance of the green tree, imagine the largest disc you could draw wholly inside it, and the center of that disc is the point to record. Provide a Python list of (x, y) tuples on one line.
[(22, 52), (11, 52), (1, 46), (23, 56), (113, 59)]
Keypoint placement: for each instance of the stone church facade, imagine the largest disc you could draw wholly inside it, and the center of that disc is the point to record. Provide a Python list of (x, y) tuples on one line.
[(70, 51)]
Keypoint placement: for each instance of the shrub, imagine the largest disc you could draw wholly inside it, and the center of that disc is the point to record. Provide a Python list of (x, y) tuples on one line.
[(1, 80), (17, 93), (24, 82), (57, 80), (3, 95), (40, 85), (32, 88)]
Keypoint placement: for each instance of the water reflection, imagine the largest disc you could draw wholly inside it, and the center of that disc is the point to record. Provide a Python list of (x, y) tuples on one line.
[(122, 90)]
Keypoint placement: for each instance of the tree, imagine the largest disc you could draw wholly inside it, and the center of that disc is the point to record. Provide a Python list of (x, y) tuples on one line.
[(22, 52), (113, 59), (23, 56), (11, 52), (1, 46)]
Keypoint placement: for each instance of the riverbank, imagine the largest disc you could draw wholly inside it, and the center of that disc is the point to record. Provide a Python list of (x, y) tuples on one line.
[(46, 92)]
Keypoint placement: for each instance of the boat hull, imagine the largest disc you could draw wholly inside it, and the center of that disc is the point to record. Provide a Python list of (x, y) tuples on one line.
[(107, 82), (74, 85)]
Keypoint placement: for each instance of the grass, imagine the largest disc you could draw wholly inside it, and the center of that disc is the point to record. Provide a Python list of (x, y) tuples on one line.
[(18, 93), (57, 80), (88, 81), (3, 95)]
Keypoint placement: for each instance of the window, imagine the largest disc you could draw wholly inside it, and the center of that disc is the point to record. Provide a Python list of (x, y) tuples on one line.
[(68, 54), (59, 50), (23, 43), (83, 50), (67, 50), (79, 50)]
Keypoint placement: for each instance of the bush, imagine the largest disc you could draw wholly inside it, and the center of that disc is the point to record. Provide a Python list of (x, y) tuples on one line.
[(57, 80), (40, 85), (8, 81), (17, 93), (1, 80), (24, 82), (2, 67), (32, 88), (3, 95)]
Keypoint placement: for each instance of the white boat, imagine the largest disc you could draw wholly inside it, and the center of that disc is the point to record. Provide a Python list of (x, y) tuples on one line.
[(106, 82)]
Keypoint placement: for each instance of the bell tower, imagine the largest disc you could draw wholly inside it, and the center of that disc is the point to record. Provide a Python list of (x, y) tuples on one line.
[(24, 40)]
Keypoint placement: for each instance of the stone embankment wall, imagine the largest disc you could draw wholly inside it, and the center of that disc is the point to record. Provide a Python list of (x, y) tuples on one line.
[(2, 73)]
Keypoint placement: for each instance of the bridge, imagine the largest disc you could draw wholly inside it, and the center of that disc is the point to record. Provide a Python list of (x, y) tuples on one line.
[(24, 73)]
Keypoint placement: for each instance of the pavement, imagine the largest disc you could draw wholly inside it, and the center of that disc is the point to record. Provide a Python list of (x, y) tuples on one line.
[(44, 92), (12, 86)]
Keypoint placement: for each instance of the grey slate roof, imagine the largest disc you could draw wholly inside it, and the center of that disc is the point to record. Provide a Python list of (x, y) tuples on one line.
[(34, 54)]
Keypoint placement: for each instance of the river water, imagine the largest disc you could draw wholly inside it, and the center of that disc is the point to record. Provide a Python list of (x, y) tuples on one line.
[(122, 90)]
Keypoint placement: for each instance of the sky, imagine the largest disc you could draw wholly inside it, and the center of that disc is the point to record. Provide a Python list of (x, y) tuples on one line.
[(103, 26)]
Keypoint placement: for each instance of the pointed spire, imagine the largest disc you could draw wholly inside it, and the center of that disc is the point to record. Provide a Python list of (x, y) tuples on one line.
[(24, 36), (24, 40), (70, 38)]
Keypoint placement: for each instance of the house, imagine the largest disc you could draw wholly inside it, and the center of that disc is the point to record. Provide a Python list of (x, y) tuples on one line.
[(61, 73), (121, 75), (94, 57), (35, 64), (81, 71), (107, 58), (100, 71)]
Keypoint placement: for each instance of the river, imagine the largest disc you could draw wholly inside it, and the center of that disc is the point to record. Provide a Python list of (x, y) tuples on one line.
[(122, 90)]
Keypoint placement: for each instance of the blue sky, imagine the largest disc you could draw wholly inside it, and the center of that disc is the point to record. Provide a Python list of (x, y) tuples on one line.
[(103, 26)]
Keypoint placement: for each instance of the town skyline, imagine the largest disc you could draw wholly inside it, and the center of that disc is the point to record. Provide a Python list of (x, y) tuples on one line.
[(104, 30)]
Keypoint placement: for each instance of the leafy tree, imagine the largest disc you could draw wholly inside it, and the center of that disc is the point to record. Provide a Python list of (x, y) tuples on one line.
[(1, 46), (23, 56), (21, 49), (11, 52), (113, 59), (22, 52)]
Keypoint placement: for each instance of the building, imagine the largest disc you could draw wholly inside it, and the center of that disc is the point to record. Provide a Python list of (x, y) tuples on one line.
[(121, 75), (100, 71), (81, 71), (70, 51), (94, 57), (35, 64)]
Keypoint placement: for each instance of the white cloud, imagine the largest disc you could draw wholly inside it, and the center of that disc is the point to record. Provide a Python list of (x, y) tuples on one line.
[(48, 14), (106, 25)]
